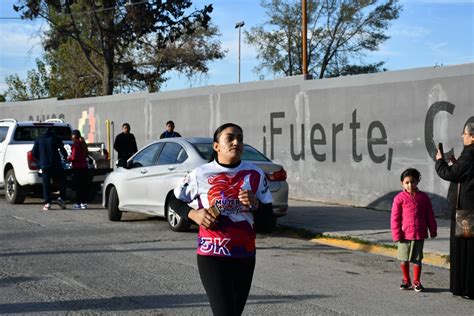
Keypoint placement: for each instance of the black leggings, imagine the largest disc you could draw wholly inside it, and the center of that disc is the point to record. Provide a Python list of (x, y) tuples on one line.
[(227, 283)]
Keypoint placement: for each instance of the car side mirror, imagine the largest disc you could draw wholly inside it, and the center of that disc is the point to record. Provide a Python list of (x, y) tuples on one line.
[(122, 162)]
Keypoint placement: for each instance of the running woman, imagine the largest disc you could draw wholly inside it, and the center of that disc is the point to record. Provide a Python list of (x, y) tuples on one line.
[(235, 190)]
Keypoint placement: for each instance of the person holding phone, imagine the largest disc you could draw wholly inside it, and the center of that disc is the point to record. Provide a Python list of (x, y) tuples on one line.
[(229, 192), (440, 149), (461, 174)]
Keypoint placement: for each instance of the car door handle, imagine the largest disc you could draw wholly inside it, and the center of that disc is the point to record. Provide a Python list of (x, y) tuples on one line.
[(171, 168), (143, 171)]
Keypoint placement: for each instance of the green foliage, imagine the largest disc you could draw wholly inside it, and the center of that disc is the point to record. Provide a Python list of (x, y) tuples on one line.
[(36, 85), (105, 38), (73, 76), (338, 31), (348, 70)]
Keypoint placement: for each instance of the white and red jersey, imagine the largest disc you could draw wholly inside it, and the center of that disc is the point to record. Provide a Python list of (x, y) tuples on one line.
[(213, 184)]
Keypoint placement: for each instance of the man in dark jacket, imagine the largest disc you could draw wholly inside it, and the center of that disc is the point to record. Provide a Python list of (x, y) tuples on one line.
[(46, 151), (125, 143)]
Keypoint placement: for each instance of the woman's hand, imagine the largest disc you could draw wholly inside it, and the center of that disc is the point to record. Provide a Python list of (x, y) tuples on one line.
[(451, 160), (202, 217), (439, 155), (248, 198)]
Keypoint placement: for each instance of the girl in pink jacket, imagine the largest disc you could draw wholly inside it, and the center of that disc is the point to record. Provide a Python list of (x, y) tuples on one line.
[(412, 216)]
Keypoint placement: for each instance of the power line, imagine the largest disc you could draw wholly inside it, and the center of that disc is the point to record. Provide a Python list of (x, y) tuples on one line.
[(128, 4)]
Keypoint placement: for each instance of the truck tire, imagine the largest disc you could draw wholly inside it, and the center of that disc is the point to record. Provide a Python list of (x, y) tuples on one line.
[(14, 192), (112, 206), (176, 222)]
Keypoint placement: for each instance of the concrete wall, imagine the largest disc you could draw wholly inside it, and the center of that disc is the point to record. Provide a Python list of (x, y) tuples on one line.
[(342, 140)]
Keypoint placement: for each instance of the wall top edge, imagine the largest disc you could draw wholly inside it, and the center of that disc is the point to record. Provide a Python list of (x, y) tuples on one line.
[(414, 74)]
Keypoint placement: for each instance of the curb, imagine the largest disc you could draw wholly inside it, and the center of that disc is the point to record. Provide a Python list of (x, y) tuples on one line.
[(379, 249)]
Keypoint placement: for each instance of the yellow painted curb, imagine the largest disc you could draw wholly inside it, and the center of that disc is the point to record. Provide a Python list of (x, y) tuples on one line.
[(428, 258)]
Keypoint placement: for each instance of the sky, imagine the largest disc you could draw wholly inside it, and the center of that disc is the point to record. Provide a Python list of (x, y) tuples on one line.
[(427, 33)]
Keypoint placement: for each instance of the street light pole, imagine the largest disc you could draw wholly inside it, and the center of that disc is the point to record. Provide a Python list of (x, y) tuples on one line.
[(239, 25)]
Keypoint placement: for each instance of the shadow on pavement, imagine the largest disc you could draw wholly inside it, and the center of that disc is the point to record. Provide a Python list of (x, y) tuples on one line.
[(137, 303)]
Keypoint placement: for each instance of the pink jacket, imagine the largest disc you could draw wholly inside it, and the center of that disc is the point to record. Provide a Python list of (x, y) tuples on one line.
[(412, 217)]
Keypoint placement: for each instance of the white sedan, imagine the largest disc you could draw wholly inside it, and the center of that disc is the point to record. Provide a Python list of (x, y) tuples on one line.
[(146, 181)]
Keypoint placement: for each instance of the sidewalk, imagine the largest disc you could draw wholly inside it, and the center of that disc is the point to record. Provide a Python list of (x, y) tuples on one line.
[(360, 229)]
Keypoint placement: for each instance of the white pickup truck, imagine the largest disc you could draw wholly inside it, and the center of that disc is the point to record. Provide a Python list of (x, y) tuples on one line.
[(21, 176)]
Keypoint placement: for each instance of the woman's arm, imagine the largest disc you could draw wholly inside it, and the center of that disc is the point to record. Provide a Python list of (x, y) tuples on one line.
[(455, 172), (202, 216), (180, 207), (264, 218)]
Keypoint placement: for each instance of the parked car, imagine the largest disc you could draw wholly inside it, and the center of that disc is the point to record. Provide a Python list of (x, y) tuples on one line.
[(146, 181), (20, 174)]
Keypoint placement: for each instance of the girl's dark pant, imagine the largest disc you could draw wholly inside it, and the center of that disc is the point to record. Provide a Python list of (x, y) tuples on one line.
[(80, 179)]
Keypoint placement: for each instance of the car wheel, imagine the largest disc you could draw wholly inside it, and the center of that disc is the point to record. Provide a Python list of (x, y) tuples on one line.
[(112, 206), (176, 222), (14, 192)]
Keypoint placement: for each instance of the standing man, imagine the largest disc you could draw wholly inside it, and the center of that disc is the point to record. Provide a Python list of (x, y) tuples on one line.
[(46, 151), (125, 143), (169, 132)]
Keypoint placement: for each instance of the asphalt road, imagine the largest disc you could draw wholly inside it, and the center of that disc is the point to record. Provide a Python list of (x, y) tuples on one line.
[(77, 262)]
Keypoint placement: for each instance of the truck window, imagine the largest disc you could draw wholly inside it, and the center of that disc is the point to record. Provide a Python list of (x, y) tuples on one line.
[(31, 133), (3, 133)]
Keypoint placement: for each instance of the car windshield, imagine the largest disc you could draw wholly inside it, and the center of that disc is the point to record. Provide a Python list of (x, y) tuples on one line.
[(250, 153), (30, 133)]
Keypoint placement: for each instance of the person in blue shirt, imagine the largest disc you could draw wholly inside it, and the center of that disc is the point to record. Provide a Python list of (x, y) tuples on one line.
[(169, 132), (46, 151)]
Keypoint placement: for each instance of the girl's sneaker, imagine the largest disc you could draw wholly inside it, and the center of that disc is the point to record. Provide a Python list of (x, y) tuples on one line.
[(77, 206), (406, 285), (418, 287), (47, 207), (83, 206)]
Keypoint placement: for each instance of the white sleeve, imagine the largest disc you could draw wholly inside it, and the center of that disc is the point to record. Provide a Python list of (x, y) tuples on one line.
[(263, 193), (187, 191)]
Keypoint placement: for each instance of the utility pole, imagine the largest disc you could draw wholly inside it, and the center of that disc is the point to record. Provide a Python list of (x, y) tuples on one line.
[(304, 30), (239, 25)]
